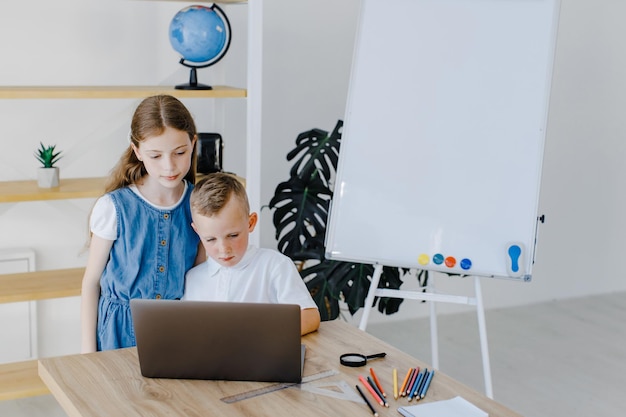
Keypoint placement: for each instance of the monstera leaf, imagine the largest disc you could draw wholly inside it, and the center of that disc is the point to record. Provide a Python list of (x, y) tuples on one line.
[(317, 154), (301, 209), (317, 281), (329, 281)]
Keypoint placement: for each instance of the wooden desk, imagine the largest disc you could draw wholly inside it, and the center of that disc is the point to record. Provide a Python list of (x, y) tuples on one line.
[(110, 384)]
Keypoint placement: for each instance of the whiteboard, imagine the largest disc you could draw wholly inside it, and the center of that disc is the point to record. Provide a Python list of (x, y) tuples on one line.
[(442, 145)]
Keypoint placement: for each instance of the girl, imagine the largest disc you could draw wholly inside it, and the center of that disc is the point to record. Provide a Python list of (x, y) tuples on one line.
[(142, 242)]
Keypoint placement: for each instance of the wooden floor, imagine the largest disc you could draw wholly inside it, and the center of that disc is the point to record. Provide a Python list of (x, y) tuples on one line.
[(557, 359)]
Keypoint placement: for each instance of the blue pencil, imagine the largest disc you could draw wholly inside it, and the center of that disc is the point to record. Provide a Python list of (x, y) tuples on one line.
[(427, 384), (414, 389), (421, 384)]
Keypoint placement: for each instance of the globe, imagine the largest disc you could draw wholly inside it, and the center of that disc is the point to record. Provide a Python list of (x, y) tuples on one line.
[(201, 35)]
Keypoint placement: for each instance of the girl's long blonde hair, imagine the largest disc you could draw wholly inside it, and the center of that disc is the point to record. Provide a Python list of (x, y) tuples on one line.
[(151, 117)]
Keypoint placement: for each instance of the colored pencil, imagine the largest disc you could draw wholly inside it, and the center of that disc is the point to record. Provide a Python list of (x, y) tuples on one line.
[(426, 373), (427, 384), (414, 388), (409, 387), (380, 394), (366, 401), (371, 390), (377, 382), (421, 384), (394, 376), (406, 381)]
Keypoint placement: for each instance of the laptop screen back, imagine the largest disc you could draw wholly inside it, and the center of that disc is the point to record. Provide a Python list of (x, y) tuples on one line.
[(218, 340)]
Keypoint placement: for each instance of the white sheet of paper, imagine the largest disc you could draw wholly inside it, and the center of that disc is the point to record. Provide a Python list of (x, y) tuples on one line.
[(455, 407)]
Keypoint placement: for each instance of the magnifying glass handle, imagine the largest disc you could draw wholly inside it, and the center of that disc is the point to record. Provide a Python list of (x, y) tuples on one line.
[(377, 355)]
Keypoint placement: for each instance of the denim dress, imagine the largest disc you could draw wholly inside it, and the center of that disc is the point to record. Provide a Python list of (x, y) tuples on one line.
[(149, 258)]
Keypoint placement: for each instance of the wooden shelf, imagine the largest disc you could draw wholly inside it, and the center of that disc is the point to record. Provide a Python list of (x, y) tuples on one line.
[(99, 92), (16, 191), (41, 285), (20, 380)]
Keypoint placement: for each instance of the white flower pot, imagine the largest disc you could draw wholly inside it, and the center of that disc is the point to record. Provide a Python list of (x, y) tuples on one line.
[(48, 177)]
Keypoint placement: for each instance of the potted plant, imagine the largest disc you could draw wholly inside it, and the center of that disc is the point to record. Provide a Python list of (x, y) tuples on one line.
[(48, 173), (301, 206)]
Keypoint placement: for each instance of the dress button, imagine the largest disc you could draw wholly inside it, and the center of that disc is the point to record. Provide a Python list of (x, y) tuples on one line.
[(161, 269), (166, 216), (158, 296), (163, 242)]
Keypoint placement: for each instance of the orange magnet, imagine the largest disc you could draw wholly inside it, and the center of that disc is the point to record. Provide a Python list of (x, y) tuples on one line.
[(450, 261)]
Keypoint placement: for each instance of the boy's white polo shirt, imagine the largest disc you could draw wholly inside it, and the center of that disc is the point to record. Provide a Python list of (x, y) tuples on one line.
[(262, 276)]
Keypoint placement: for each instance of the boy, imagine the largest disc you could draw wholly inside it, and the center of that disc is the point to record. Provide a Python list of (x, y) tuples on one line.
[(235, 271)]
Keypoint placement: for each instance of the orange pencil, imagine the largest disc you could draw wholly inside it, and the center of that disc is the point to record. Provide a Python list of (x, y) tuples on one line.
[(377, 382), (406, 379), (409, 386), (371, 390)]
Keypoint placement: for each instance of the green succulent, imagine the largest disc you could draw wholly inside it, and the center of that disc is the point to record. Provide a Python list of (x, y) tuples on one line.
[(47, 156)]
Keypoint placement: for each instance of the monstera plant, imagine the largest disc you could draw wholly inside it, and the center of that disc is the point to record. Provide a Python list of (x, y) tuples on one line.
[(301, 207)]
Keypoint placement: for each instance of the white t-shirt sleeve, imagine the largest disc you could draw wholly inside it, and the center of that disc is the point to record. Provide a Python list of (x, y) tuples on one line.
[(289, 287), (103, 220)]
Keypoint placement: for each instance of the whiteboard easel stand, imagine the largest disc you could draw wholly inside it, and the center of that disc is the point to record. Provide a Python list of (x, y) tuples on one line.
[(430, 295)]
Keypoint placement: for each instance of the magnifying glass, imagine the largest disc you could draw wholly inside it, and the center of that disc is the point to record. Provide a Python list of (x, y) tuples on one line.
[(357, 359)]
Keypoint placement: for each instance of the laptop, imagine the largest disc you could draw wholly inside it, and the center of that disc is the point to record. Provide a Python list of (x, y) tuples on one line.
[(218, 340)]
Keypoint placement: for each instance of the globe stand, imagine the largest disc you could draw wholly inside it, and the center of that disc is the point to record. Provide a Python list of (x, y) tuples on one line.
[(193, 80)]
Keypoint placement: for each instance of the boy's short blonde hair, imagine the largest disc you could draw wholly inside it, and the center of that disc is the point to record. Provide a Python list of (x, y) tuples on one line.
[(212, 192)]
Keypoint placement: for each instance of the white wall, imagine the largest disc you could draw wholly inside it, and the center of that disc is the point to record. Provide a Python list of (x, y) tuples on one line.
[(307, 55)]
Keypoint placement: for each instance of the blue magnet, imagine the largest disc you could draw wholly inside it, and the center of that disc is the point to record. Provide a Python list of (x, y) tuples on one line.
[(515, 259), (438, 259), (465, 264)]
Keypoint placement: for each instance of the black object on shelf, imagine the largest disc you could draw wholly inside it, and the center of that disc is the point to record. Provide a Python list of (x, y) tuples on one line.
[(210, 148)]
